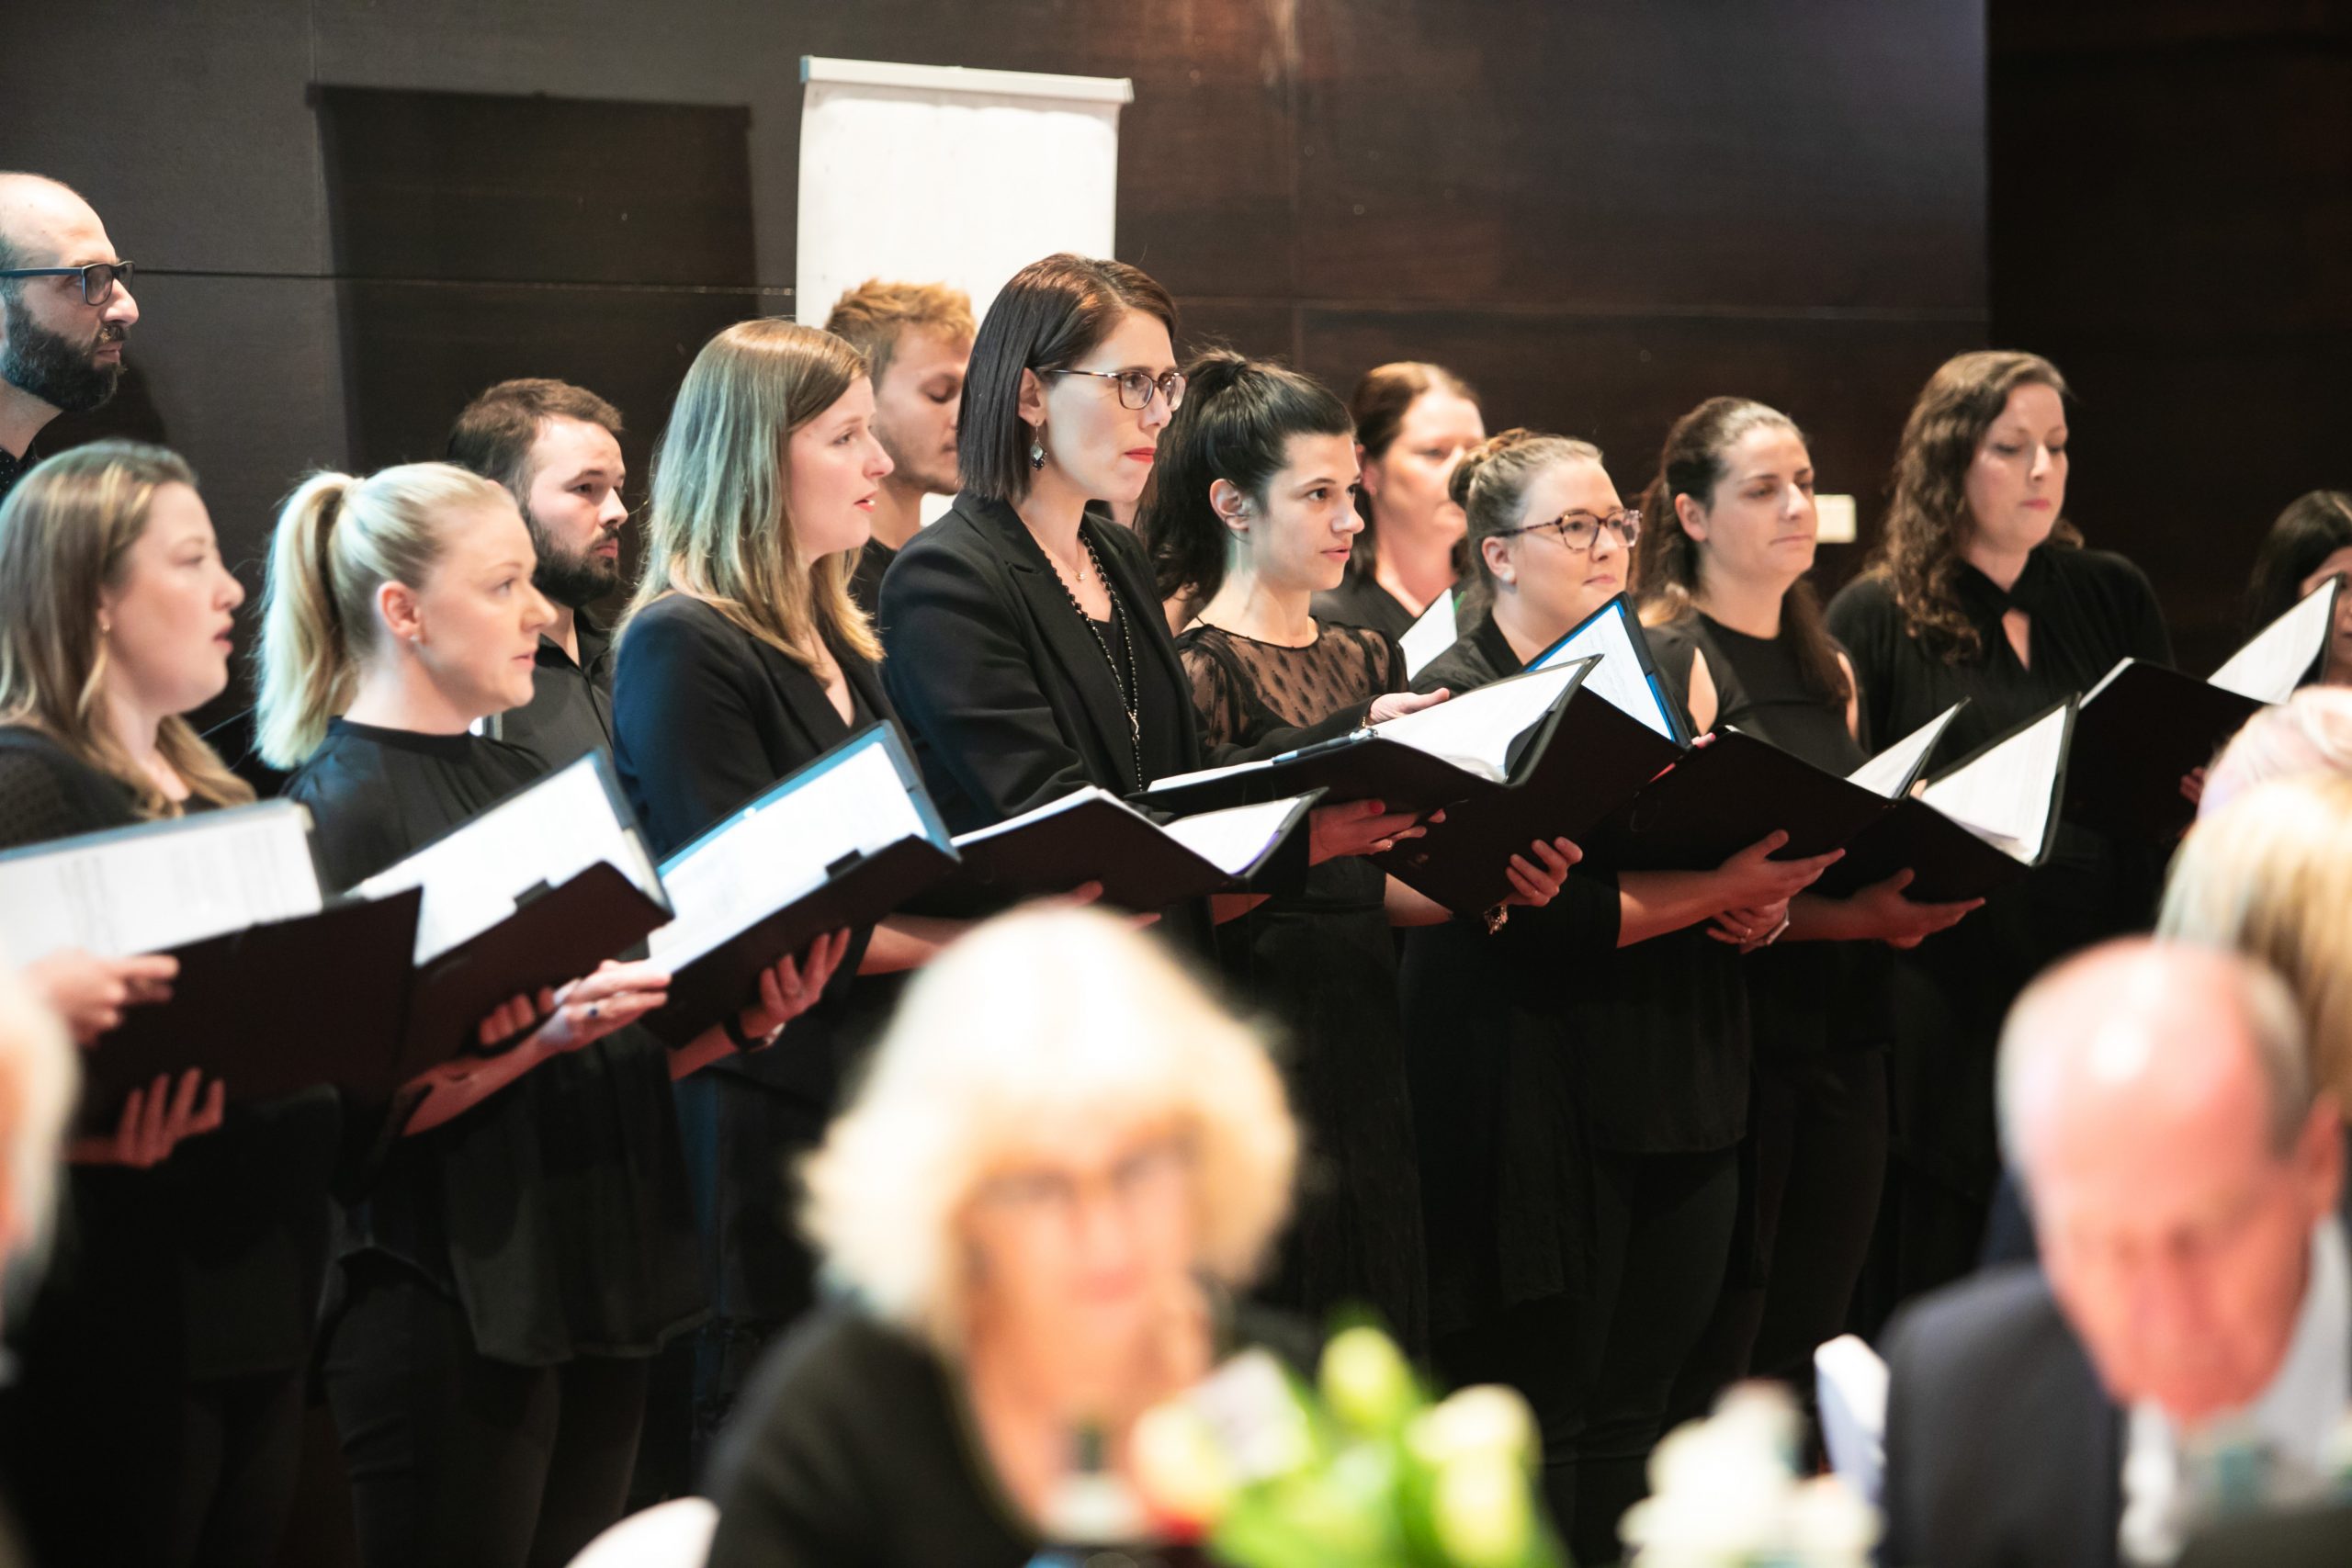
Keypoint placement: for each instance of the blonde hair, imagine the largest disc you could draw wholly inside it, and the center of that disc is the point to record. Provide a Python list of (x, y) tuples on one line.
[(873, 317), (2310, 732), (719, 528), (1490, 485), (66, 533), (40, 1077), (2270, 876), (338, 540), (1038, 1018)]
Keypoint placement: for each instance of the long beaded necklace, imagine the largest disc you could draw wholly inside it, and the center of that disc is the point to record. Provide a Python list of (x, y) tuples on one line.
[(1126, 680)]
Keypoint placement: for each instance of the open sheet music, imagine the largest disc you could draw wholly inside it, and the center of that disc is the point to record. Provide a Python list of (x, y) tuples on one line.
[(539, 838), (1893, 772), (2274, 662), (2006, 794), (160, 884), (1091, 835), (1626, 676), (1429, 635)]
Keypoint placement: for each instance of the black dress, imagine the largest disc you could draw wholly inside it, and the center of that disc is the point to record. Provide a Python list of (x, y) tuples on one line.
[(1005, 689), (1581, 1107), (1360, 601), (549, 1226), (1815, 1160), (1322, 965), (2087, 609), (857, 1449), (708, 716), (177, 1302)]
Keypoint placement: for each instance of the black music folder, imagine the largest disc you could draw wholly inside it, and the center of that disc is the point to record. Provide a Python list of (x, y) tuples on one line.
[(532, 891), (1980, 824), (2144, 726), (1735, 788), (1628, 676), (1594, 759), (1091, 835), (842, 842), (278, 988), (1463, 749)]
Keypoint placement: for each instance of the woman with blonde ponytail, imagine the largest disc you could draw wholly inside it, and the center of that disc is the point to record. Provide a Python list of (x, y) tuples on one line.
[(171, 1332), (523, 1249)]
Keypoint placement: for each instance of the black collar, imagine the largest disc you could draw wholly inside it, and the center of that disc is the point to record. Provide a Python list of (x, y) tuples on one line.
[(1495, 648)]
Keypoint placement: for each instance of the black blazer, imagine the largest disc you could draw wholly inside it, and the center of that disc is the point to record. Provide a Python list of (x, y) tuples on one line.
[(1007, 695), (706, 717)]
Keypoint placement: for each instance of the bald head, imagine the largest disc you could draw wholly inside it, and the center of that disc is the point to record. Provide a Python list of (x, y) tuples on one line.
[(2156, 1100), (39, 216), (62, 336)]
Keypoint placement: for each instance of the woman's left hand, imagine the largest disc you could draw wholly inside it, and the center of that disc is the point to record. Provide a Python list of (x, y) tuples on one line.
[(1748, 929), (1536, 882), (792, 985)]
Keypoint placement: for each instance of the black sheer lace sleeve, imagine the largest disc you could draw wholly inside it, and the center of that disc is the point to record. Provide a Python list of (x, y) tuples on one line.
[(1217, 692)]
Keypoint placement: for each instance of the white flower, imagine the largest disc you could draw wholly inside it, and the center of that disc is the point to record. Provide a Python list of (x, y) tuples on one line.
[(1485, 1418), (1479, 1510), (1365, 1380)]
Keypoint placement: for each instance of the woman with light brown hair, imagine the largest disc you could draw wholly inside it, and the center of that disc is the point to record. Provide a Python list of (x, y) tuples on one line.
[(172, 1330), (1414, 422), (743, 657), (1980, 589)]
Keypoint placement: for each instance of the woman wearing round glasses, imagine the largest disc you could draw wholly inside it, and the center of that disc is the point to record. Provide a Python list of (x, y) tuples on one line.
[(1740, 631), (1580, 1076), (1027, 651)]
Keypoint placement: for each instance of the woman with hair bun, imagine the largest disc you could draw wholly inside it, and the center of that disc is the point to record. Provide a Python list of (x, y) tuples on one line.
[(1413, 423), (1254, 514)]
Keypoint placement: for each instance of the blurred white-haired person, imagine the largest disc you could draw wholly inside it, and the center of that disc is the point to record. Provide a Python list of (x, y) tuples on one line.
[(2310, 732), (39, 1079), (1064, 1157)]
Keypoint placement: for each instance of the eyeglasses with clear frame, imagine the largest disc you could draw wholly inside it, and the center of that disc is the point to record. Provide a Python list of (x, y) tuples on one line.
[(1578, 530), (1136, 386), (99, 278)]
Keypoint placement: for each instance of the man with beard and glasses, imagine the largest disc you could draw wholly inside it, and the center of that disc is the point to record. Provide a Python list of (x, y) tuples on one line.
[(65, 311), (916, 338), (556, 447)]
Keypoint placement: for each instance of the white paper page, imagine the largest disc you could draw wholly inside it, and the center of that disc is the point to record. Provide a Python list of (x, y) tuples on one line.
[(1474, 731), (1429, 635), (1234, 839), (1619, 677), (1235, 769), (549, 833), (2268, 667), (770, 856), (150, 891), (1890, 772), (1069, 802), (2005, 795)]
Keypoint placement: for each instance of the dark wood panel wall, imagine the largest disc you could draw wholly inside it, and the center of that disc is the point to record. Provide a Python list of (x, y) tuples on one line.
[(1598, 211)]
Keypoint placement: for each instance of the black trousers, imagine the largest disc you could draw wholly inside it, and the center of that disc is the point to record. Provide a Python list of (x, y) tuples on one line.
[(459, 1461), (1600, 1371), (1813, 1168), (114, 1461)]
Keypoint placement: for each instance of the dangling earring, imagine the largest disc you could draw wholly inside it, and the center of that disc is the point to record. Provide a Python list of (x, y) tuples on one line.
[(1037, 448)]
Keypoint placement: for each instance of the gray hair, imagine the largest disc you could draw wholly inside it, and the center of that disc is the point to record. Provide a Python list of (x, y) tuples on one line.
[(2039, 1023)]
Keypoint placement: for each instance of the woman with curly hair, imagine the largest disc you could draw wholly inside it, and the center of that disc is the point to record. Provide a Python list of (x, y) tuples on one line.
[(1981, 589)]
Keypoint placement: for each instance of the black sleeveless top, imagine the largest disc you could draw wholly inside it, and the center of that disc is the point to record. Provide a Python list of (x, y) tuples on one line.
[(1804, 997)]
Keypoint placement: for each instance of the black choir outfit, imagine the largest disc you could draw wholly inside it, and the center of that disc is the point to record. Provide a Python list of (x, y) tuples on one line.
[(2087, 609), (12, 468), (708, 718), (1360, 601), (570, 710), (1004, 686), (874, 558), (155, 1415), (1580, 1106), (503, 1278), (1814, 1162), (1322, 963)]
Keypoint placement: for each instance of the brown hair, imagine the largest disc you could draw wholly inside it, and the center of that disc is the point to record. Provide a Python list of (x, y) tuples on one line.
[(1051, 315), (496, 434), (1927, 520), (1670, 573), (65, 536), (718, 526), (873, 317), (1490, 486), (1384, 395)]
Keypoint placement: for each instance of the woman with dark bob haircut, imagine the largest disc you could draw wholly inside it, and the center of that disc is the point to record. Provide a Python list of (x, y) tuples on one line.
[(1026, 649)]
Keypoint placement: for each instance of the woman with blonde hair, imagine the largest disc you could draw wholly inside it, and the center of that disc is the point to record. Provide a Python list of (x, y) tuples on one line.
[(1063, 1159), (520, 1252), (2270, 874), (1981, 589), (742, 658), (171, 1331)]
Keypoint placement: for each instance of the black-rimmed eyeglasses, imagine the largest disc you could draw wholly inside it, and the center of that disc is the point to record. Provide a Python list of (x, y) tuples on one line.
[(1136, 386), (1578, 530), (99, 278)]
